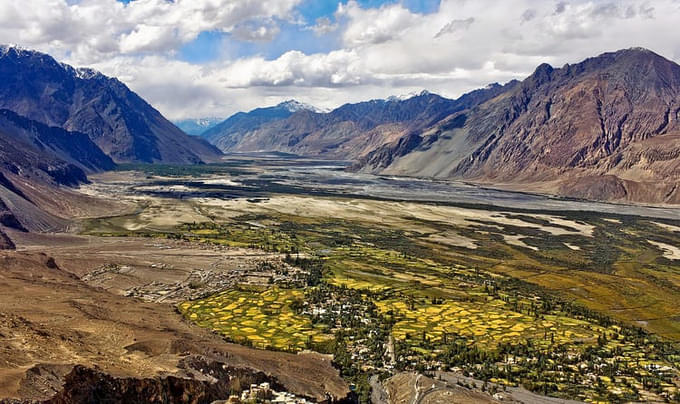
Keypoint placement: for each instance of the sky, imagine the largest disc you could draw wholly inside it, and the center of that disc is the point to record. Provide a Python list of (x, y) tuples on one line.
[(212, 58)]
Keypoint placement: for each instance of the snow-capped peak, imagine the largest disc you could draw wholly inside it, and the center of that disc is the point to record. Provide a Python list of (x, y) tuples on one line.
[(5, 48), (81, 72), (202, 122), (295, 106), (408, 96), (86, 73)]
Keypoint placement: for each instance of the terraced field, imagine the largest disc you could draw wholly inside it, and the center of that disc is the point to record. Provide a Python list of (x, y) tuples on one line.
[(488, 323), (259, 318)]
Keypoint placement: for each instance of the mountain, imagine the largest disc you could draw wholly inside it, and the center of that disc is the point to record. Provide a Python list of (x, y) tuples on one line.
[(229, 133), (348, 132), (38, 165), (606, 128), (122, 124), (196, 126)]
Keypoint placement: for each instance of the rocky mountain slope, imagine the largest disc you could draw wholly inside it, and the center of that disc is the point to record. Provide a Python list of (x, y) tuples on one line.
[(38, 164), (72, 147), (606, 128), (350, 131), (121, 123)]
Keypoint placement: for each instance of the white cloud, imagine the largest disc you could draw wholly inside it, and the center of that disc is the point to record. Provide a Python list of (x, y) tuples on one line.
[(92, 30), (373, 26), (323, 26), (382, 51)]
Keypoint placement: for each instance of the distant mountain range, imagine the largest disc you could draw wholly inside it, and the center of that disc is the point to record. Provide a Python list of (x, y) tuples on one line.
[(230, 133), (350, 131), (196, 126), (606, 128)]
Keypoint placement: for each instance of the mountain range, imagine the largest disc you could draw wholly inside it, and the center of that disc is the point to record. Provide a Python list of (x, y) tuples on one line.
[(605, 129), (196, 126), (230, 133)]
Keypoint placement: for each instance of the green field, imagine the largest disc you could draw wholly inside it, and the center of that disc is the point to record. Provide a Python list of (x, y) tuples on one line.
[(259, 318)]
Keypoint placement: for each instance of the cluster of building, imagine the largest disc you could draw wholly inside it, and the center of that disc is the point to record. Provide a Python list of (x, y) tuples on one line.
[(263, 394), (344, 310), (203, 282)]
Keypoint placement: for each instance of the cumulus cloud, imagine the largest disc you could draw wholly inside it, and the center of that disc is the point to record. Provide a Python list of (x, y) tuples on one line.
[(374, 26), (377, 51), (323, 26), (91, 30)]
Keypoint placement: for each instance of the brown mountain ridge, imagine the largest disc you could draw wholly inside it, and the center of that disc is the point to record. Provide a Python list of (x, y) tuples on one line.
[(606, 129)]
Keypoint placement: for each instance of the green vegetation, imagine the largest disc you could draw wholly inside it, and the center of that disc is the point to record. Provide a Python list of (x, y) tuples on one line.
[(193, 170), (559, 313), (258, 232), (440, 314)]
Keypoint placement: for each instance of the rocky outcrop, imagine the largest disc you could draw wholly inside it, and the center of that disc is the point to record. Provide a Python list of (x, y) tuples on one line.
[(8, 218), (6, 243), (203, 382), (214, 382)]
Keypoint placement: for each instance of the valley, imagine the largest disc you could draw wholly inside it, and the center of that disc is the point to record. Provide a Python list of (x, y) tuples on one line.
[(566, 298), (517, 244)]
